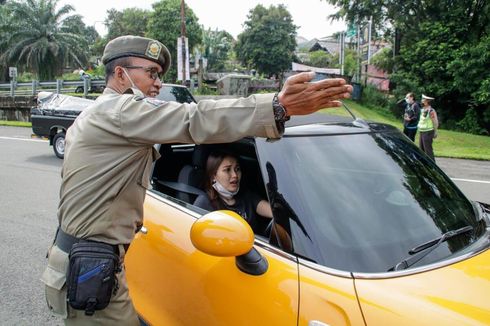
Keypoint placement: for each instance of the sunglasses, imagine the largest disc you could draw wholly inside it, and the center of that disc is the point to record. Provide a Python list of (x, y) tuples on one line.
[(154, 73)]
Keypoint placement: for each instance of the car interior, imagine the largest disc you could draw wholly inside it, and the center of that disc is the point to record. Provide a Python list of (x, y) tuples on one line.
[(179, 173)]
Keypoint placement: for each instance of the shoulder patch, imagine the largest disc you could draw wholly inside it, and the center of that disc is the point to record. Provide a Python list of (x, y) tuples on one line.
[(153, 101)]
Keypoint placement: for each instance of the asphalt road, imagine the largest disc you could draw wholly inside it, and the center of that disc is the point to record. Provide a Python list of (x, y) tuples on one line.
[(30, 180)]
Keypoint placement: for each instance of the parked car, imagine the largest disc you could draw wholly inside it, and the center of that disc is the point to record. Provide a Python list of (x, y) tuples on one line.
[(55, 113), (367, 230)]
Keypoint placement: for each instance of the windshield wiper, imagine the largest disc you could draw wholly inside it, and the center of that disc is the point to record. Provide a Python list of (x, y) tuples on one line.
[(432, 244)]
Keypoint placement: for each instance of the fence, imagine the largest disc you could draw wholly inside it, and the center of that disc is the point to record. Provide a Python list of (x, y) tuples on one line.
[(59, 86)]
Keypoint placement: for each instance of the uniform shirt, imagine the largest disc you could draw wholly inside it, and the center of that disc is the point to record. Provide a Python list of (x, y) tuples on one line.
[(246, 203), (109, 153)]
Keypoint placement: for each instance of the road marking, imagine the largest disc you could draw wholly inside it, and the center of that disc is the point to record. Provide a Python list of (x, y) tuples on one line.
[(24, 139), (469, 180)]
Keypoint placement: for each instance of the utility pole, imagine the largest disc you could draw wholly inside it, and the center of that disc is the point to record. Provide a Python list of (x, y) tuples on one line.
[(182, 35), (342, 52)]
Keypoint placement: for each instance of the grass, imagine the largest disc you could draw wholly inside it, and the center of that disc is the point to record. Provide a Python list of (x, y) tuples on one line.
[(448, 143), (15, 123)]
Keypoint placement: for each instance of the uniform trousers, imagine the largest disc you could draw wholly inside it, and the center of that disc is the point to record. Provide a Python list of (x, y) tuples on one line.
[(425, 142)]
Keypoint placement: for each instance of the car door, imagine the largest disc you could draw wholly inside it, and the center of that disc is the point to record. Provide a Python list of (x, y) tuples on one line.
[(328, 297), (172, 283)]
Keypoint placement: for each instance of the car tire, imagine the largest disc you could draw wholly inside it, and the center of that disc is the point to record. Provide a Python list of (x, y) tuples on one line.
[(59, 145)]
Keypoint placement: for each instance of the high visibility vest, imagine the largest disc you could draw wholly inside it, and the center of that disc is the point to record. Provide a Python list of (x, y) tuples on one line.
[(425, 123)]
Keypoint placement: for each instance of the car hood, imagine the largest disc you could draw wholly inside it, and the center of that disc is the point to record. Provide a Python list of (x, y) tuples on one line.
[(458, 294)]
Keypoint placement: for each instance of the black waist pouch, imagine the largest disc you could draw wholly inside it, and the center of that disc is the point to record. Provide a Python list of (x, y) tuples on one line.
[(91, 278)]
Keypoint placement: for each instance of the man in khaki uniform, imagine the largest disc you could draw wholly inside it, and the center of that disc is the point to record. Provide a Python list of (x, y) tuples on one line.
[(109, 153)]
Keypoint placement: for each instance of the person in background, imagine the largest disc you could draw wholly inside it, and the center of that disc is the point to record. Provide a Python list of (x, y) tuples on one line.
[(411, 116), (427, 126), (222, 187), (109, 155)]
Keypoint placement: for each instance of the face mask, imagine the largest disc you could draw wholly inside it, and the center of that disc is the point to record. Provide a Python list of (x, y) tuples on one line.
[(222, 191), (408, 101), (132, 84)]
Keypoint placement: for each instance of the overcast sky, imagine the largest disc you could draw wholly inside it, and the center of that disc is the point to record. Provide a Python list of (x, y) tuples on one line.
[(229, 15)]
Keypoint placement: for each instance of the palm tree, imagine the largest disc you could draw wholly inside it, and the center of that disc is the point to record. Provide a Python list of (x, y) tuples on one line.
[(33, 36)]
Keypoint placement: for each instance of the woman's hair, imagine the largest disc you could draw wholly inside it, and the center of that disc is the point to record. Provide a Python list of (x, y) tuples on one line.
[(213, 162)]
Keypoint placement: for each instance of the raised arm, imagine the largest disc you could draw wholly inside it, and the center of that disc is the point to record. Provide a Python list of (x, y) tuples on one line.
[(300, 96)]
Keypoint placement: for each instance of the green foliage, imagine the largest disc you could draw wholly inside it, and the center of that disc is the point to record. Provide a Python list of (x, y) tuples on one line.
[(130, 21), (164, 25), (372, 97), (216, 48), (319, 59), (350, 62), (205, 90), (25, 77), (269, 40), (442, 49), (33, 36), (69, 76), (470, 123), (384, 60)]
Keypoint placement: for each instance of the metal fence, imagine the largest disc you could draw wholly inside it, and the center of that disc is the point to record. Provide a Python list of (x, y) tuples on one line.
[(84, 87)]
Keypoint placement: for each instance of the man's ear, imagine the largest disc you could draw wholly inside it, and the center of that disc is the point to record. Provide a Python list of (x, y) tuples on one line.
[(119, 74)]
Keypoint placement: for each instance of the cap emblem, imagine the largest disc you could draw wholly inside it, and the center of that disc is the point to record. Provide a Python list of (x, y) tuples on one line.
[(153, 50)]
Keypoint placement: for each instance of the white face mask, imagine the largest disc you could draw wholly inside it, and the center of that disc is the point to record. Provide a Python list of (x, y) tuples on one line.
[(222, 191), (133, 85)]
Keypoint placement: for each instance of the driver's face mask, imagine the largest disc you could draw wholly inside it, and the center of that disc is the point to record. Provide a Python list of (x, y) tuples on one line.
[(222, 190)]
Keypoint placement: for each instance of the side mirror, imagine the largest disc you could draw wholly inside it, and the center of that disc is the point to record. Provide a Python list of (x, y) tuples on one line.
[(227, 234)]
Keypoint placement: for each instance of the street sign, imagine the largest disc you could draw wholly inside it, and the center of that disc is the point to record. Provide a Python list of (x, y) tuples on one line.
[(13, 72), (351, 31)]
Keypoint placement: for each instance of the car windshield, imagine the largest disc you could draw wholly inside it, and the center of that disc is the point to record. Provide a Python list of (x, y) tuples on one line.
[(360, 202), (176, 94)]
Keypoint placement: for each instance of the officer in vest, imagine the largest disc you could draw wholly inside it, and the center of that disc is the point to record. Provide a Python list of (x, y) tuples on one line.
[(108, 156), (427, 126)]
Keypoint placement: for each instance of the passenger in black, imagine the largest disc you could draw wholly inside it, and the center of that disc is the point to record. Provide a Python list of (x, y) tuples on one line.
[(222, 186)]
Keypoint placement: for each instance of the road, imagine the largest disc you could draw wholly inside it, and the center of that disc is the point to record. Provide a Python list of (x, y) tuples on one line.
[(30, 180)]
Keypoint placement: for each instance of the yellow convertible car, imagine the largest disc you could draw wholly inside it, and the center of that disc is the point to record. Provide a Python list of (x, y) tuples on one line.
[(367, 230)]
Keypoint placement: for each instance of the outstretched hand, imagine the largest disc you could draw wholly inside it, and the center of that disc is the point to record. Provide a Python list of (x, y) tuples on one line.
[(300, 96)]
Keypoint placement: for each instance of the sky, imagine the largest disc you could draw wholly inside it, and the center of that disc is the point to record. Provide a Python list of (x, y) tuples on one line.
[(310, 15)]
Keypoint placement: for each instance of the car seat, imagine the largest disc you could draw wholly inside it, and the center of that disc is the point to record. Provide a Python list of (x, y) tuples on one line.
[(193, 175)]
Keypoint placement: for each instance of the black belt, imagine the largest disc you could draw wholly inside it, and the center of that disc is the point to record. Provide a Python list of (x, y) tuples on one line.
[(65, 241)]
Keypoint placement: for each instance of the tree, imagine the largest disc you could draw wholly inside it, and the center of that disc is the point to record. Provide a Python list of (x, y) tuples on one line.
[(164, 25), (75, 25), (33, 36), (441, 49), (268, 41), (130, 21), (216, 47)]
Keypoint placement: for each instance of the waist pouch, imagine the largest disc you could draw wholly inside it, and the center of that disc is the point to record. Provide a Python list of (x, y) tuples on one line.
[(91, 278)]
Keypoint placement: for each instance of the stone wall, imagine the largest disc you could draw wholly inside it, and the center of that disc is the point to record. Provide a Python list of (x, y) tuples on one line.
[(16, 108)]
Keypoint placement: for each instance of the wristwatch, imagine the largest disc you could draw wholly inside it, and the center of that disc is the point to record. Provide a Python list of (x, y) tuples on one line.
[(280, 112)]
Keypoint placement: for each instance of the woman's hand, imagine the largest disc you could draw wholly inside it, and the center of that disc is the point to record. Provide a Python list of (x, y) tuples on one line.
[(300, 96)]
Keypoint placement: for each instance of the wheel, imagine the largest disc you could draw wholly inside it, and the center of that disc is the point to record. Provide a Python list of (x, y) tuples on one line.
[(79, 89), (59, 145)]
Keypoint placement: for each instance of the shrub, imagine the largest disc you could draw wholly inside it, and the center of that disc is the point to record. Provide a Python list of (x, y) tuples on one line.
[(470, 123)]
